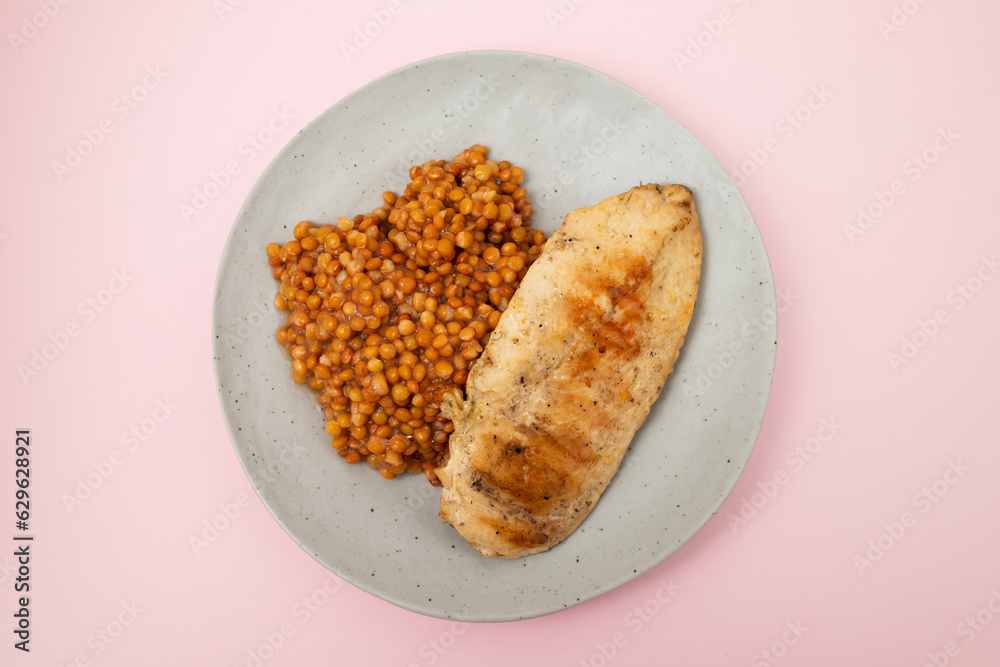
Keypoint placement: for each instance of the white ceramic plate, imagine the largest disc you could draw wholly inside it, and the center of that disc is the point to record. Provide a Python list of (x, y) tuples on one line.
[(580, 136)]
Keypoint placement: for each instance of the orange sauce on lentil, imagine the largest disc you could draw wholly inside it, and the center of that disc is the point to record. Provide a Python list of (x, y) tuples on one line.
[(388, 311)]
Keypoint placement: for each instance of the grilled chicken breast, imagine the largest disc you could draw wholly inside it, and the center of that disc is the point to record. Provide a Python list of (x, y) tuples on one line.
[(571, 371)]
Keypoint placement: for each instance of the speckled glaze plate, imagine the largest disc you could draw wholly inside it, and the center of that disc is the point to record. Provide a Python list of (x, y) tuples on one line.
[(580, 136)]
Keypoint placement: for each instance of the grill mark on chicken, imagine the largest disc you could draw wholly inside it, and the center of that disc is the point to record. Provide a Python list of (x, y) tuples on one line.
[(532, 467)]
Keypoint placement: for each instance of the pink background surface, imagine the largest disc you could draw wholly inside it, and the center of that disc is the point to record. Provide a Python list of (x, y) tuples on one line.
[(820, 552)]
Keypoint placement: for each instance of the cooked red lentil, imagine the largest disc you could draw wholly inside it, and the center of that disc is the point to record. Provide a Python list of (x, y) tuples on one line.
[(387, 311)]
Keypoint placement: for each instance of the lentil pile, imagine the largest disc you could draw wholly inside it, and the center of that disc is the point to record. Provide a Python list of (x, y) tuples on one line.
[(387, 311)]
